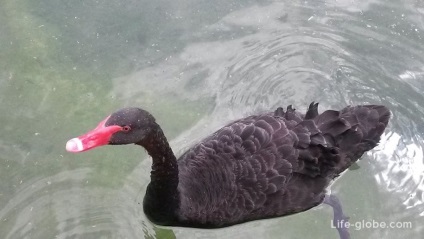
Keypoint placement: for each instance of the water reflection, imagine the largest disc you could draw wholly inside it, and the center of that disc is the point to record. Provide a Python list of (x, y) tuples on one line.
[(251, 58), (402, 170)]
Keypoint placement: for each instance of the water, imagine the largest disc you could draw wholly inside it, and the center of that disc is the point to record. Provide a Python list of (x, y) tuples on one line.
[(197, 65)]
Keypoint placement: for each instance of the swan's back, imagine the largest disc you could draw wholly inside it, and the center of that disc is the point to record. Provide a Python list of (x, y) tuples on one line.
[(272, 164)]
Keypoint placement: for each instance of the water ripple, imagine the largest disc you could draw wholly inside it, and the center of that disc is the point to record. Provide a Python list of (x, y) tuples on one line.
[(254, 59), (279, 54)]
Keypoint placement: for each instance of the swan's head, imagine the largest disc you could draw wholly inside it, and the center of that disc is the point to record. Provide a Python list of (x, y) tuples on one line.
[(125, 126)]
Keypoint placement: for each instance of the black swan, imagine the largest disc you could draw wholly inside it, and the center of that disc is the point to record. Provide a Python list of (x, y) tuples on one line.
[(261, 166)]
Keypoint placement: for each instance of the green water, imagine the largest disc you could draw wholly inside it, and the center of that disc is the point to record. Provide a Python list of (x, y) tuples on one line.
[(195, 65)]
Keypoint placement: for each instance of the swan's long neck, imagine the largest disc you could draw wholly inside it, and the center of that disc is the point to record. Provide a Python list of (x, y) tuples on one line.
[(162, 197)]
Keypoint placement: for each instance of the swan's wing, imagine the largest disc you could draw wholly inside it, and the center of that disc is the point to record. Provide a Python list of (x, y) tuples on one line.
[(239, 171)]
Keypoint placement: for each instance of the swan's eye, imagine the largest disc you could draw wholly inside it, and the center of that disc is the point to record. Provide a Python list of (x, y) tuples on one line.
[(126, 128)]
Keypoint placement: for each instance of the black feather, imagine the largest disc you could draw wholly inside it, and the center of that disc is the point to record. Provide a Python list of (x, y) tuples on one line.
[(282, 146)]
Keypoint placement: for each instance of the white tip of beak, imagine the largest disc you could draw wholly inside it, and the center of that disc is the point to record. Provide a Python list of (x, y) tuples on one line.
[(74, 145)]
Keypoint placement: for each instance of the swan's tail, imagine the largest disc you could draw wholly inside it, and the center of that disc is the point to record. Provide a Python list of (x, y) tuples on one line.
[(330, 142), (354, 130)]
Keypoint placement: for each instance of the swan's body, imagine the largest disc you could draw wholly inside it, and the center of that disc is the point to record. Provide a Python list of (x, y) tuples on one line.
[(257, 167)]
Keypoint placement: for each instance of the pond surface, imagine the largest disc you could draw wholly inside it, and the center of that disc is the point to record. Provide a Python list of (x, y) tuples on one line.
[(196, 65)]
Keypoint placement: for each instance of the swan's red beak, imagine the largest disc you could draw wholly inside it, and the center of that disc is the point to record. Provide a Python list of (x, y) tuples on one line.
[(97, 137)]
